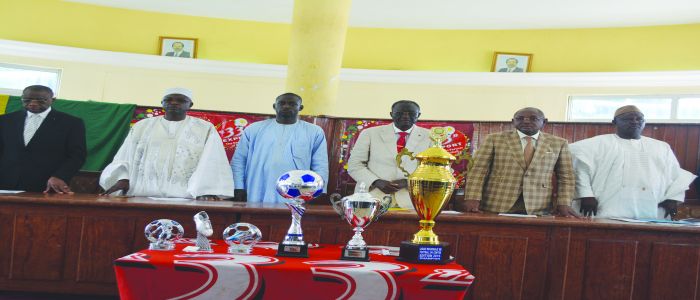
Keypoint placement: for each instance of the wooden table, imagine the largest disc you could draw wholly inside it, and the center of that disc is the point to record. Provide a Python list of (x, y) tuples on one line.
[(67, 243)]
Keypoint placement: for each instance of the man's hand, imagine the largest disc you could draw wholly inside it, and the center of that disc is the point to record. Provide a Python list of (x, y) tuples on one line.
[(401, 183), (566, 211), (121, 185), (470, 206), (57, 185), (208, 198), (240, 195), (671, 208), (589, 206), (386, 186)]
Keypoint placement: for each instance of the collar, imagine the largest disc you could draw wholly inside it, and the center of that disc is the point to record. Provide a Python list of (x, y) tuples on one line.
[(522, 135), (397, 130), (41, 114)]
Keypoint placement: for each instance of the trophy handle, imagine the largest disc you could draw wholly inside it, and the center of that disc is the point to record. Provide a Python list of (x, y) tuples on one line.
[(336, 203), (384, 205), (404, 152)]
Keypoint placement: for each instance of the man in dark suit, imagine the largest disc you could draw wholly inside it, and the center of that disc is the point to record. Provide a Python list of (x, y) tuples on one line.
[(40, 147)]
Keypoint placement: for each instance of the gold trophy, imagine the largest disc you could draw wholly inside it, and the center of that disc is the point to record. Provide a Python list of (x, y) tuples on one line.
[(430, 186)]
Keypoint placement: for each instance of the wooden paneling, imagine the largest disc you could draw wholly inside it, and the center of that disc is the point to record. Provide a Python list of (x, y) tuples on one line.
[(609, 269), (674, 271), (6, 235), (38, 247), (500, 267), (559, 243), (103, 239)]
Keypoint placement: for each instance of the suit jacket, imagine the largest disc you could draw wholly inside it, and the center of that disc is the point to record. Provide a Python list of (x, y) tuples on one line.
[(374, 157), (56, 149), (182, 54), (514, 70), (499, 175)]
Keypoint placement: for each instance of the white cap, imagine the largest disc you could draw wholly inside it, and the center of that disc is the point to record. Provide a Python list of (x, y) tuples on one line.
[(178, 90)]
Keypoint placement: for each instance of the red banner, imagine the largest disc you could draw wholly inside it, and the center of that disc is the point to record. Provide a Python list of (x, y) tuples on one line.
[(229, 125)]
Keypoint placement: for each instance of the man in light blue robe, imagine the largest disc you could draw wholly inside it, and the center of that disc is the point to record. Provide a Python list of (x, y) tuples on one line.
[(267, 149)]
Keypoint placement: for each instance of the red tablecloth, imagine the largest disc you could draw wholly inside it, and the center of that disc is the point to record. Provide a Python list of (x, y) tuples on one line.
[(185, 275)]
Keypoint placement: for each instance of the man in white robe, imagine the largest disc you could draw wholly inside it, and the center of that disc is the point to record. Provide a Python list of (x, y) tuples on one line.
[(171, 156), (628, 175), (270, 148)]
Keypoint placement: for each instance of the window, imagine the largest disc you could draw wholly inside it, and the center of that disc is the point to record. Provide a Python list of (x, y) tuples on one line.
[(14, 78), (656, 108)]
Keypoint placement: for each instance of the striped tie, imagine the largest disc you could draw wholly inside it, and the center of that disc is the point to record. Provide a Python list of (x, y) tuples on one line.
[(529, 150), (31, 127)]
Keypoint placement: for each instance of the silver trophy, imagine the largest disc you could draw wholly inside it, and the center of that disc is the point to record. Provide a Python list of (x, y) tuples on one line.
[(161, 233), (359, 210), (204, 230), (297, 187), (241, 237)]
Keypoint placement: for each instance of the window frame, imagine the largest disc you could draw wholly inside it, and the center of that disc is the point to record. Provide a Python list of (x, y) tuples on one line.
[(675, 98), (18, 92)]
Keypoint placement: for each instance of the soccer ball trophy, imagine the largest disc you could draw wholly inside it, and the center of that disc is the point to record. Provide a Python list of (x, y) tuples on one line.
[(297, 187), (161, 233), (241, 237)]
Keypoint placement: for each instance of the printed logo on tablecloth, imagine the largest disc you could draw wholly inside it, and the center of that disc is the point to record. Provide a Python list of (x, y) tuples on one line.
[(224, 270), (362, 279), (450, 277), (136, 257)]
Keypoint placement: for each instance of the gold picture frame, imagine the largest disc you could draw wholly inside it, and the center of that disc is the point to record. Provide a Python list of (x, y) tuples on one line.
[(511, 62), (177, 47)]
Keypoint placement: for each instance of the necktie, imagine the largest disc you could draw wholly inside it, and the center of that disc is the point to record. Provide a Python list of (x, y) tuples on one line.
[(529, 150), (30, 127), (401, 142)]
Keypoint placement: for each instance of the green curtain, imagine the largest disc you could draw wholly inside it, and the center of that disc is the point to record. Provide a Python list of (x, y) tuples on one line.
[(106, 126)]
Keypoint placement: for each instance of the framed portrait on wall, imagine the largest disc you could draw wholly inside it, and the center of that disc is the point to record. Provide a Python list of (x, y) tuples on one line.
[(509, 62), (178, 47)]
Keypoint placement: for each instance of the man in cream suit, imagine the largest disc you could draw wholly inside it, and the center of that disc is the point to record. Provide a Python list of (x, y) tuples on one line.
[(512, 171), (373, 158)]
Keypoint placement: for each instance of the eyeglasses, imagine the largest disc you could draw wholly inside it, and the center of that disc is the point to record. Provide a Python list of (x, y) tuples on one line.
[(409, 113), (531, 119), (27, 101)]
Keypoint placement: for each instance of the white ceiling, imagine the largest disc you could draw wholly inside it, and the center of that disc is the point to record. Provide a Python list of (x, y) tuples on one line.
[(446, 14)]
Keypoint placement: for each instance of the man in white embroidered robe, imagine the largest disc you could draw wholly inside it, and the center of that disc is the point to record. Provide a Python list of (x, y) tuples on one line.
[(628, 175), (171, 156)]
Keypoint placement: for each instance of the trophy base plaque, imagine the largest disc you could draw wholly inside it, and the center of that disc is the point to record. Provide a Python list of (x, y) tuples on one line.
[(425, 254), (355, 254), (293, 250)]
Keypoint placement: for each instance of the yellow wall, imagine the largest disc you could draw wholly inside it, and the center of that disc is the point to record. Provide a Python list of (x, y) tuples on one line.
[(570, 50), (87, 81)]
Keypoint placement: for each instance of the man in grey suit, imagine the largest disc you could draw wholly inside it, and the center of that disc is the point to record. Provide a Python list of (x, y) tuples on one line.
[(512, 64), (373, 158), (178, 50)]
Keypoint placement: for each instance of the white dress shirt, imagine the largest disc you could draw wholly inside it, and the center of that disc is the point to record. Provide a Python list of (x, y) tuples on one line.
[(523, 141), (31, 131), (397, 130)]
